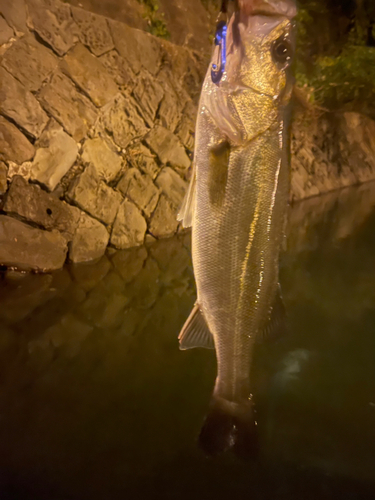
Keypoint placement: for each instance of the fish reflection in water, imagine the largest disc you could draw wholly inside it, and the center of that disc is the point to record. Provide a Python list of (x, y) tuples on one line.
[(236, 205)]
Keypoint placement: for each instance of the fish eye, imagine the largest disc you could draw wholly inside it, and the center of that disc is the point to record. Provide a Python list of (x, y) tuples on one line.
[(282, 51)]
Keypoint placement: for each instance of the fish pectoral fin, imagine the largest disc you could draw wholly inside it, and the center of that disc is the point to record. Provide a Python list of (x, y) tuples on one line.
[(275, 326), (186, 213), (195, 332)]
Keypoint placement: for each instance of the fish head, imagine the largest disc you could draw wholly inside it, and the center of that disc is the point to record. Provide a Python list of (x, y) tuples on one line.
[(257, 82)]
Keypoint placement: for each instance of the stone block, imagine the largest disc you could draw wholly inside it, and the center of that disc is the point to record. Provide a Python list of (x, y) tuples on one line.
[(90, 240), (70, 108), (129, 228), (107, 163), (3, 177), (137, 47), (89, 74), (128, 263), (29, 248), (93, 196), (140, 189), (185, 132), (30, 62), (14, 12), (164, 222), (6, 31), (13, 144), (123, 120), (148, 94), (168, 148), (118, 68), (55, 157), (142, 158), (53, 22), (30, 203), (94, 29), (20, 105), (172, 186)]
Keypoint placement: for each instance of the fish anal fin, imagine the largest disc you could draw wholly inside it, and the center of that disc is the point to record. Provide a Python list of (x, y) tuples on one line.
[(195, 332), (275, 326)]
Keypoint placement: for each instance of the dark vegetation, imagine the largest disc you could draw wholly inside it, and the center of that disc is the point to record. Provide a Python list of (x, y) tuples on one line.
[(336, 53)]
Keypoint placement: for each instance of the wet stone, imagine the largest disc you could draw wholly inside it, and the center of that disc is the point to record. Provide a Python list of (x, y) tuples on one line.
[(128, 263), (14, 12), (89, 274), (129, 228), (13, 144), (89, 74), (148, 93), (94, 29), (168, 148), (92, 195), (146, 287), (118, 68), (29, 248), (107, 163), (172, 258), (172, 186), (140, 189), (6, 31), (29, 61), (53, 22), (32, 204), (70, 108), (142, 158), (20, 105), (55, 157), (90, 240), (3, 177), (137, 47), (123, 120), (164, 222)]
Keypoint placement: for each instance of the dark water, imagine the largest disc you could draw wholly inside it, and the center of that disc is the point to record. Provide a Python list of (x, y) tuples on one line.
[(97, 402)]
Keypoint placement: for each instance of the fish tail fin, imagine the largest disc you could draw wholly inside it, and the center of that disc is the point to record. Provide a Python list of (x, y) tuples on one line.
[(230, 426)]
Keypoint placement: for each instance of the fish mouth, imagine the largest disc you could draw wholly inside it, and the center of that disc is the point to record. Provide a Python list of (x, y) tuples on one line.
[(285, 8)]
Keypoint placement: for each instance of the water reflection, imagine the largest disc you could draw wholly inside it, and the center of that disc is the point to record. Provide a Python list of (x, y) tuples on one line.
[(97, 402)]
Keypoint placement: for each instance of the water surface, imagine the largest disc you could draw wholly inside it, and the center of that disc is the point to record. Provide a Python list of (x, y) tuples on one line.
[(97, 402)]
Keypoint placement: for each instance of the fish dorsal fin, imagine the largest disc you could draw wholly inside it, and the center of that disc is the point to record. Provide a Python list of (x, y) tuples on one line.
[(186, 213), (275, 325), (195, 332)]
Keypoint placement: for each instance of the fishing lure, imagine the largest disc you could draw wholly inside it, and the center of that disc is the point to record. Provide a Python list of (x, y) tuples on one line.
[(220, 55)]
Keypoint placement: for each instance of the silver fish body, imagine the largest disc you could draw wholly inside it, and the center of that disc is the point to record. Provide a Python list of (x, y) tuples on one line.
[(237, 205)]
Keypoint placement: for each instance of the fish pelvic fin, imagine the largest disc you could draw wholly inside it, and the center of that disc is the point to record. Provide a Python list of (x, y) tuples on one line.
[(228, 426), (186, 213), (195, 332)]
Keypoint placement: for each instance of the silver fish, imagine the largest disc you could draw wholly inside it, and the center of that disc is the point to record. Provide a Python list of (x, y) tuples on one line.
[(236, 205)]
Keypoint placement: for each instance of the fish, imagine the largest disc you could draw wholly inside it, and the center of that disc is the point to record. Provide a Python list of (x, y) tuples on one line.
[(236, 204)]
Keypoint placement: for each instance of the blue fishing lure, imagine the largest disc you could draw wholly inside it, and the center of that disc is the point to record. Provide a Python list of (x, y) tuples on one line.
[(218, 66)]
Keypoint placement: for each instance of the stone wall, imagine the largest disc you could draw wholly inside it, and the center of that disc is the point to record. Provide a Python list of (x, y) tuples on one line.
[(96, 136), (96, 133)]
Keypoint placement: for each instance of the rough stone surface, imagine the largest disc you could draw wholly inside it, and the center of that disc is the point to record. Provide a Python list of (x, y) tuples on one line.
[(94, 29), (118, 68), (129, 228), (6, 31), (106, 162), (90, 240), (30, 203), (90, 75), (29, 248), (20, 105), (142, 158), (137, 47), (148, 93), (13, 144), (92, 195), (53, 22), (168, 148), (70, 108), (55, 156), (140, 189), (172, 186), (123, 121), (3, 177), (30, 62), (163, 222), (169, 111), (14, 12)]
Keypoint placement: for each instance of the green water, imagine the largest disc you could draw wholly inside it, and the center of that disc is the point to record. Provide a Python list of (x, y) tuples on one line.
[(97, 402)]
